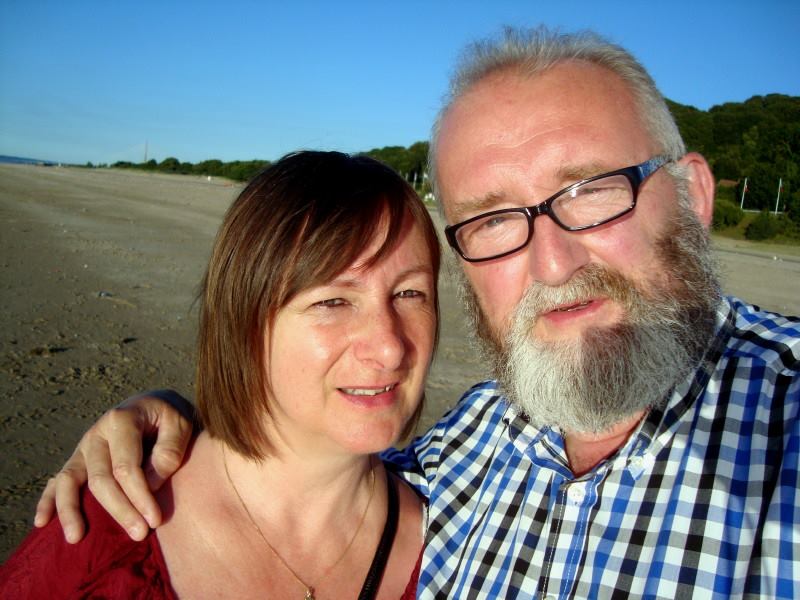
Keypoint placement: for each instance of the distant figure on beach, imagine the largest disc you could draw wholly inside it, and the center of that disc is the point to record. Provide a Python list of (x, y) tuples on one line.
[(641, 438), (317, 327)]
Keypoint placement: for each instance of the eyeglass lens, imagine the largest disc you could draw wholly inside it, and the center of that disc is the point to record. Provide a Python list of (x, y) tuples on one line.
[(583, 206)]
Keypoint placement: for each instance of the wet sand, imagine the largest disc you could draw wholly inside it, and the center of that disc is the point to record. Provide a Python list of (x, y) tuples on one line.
[(99, 270)]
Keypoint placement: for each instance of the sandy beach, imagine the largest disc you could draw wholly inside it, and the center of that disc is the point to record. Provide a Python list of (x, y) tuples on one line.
[(99, 271)]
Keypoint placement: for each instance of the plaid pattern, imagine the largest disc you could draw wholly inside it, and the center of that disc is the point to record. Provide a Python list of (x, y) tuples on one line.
[(702, 502)]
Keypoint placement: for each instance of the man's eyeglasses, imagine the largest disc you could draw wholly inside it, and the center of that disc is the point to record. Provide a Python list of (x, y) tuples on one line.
[(584, 204)]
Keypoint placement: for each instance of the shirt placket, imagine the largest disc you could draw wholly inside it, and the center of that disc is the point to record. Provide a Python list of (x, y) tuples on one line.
[(568, 517), (567, 534)]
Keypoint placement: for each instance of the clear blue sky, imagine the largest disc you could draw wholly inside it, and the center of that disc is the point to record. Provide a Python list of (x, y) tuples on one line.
[(93, 81)]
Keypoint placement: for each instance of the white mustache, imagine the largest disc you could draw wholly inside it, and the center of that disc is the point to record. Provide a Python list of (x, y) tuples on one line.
[(592, 281)]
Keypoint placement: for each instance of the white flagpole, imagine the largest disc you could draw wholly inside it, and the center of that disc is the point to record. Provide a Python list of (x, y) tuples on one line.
[(744, 189), (778, 199)]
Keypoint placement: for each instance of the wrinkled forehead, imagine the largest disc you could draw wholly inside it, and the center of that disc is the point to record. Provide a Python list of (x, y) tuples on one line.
[(510, 134)]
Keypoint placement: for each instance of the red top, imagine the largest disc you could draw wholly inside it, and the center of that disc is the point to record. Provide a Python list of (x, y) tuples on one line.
[(105, 564)]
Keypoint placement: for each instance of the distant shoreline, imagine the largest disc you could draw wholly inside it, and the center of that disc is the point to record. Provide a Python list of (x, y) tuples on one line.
[(18, 160)]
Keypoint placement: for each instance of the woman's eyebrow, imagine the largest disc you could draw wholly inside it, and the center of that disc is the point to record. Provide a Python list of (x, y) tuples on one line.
[(348, 281)]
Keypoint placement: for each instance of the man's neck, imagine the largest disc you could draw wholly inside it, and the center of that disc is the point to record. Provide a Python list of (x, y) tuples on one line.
[(586, 450)]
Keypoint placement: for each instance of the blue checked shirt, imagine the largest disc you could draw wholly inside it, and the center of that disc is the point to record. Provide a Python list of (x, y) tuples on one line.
[(701, 502)]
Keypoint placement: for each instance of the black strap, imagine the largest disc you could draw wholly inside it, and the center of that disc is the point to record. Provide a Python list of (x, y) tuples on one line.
[(375, 574)]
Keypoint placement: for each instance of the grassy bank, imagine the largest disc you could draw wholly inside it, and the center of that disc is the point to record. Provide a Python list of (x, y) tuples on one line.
[(780, 244)]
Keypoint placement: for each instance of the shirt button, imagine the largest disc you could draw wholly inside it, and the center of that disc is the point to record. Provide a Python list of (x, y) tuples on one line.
[(646, 461), (576, 493)]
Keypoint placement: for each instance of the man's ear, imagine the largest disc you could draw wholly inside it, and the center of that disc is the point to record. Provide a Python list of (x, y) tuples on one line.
[(701, 184)]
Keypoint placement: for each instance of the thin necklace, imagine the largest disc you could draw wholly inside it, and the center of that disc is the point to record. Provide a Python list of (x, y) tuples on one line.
[(309, 594)]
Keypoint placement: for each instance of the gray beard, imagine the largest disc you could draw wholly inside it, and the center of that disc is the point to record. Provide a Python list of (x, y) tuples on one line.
[(611, 373)]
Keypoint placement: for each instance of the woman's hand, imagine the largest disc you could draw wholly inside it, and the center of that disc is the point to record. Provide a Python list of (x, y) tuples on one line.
[(109, 456)]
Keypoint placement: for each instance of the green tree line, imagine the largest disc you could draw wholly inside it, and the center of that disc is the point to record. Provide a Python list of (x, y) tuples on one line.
[(757, 142), (758, 139), (238, 170)]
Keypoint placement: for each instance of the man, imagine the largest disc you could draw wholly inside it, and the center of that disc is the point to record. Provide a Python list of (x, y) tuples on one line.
[(642, 436)]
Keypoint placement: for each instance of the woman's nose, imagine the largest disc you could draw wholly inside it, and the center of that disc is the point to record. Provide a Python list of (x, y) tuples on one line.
[(381, 342)]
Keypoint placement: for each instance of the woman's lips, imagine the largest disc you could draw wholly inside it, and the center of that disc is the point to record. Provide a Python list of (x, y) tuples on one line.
[(370, 396), (368, 391)]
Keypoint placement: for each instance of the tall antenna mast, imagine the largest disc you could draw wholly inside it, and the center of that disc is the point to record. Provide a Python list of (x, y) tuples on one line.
[(145, 151)]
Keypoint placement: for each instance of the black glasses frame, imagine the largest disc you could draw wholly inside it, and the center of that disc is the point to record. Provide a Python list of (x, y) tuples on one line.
[(636, 174)]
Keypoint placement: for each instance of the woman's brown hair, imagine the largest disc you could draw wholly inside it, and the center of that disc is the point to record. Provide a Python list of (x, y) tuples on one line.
[(299, 223)]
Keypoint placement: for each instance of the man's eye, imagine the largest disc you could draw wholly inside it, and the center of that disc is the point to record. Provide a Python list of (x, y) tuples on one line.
[(599, 189), (490, 226), (495, 221), (410, 294)]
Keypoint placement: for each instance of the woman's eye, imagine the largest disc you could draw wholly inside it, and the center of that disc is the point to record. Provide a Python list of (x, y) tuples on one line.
[(410, 294), (330, 302)]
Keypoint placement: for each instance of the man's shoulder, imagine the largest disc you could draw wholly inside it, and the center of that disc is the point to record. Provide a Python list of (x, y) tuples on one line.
[(481, 406), (757, 370), (477, 417), (767, 337)]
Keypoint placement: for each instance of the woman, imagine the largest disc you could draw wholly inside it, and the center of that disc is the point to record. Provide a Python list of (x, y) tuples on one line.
[(318, 322)]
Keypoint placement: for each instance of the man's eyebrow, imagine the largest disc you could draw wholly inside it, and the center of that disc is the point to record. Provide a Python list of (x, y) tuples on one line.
[(476, 206), (569, 174), (564, 176)]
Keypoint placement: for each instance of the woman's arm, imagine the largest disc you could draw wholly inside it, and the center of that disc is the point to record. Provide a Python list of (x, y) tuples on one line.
[(110, 457)]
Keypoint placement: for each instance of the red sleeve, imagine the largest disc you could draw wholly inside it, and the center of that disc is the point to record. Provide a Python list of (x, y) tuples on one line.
[(106, 563)]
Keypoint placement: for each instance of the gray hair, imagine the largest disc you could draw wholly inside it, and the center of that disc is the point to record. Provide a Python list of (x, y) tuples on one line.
[(533, 51)]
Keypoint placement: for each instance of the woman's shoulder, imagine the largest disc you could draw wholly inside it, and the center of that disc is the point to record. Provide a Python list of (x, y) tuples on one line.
[(105, 563)]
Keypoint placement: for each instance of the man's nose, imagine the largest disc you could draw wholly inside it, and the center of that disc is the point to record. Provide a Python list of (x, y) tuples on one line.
[(554, 254), (381, 342)]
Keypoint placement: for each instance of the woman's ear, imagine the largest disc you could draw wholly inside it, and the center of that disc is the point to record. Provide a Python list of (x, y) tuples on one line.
[(701, 186)]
